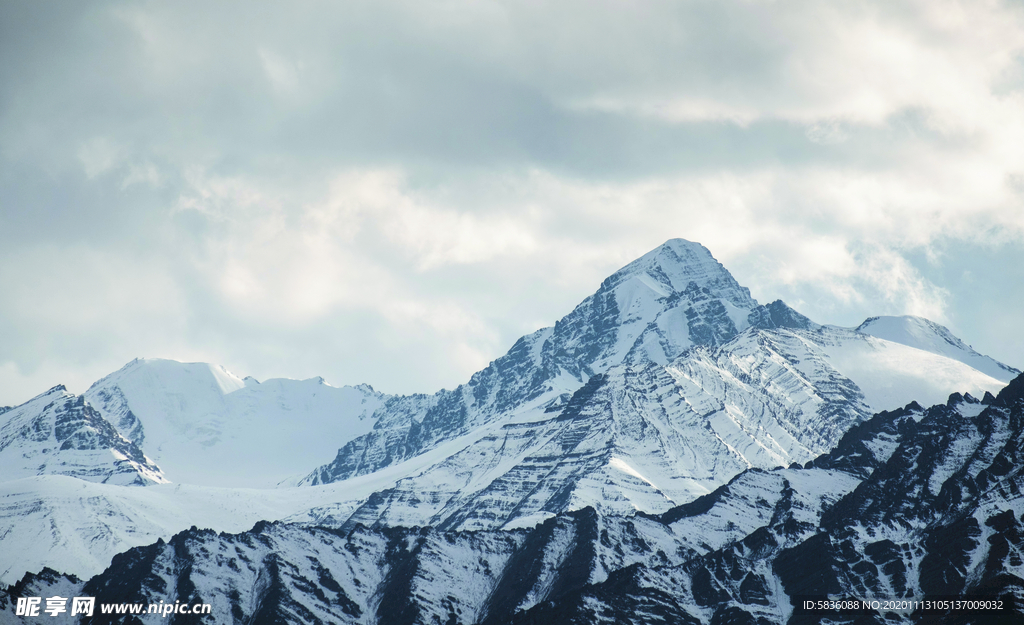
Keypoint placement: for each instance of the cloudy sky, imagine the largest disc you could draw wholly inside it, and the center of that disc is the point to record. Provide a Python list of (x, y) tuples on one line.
[(393, 192)]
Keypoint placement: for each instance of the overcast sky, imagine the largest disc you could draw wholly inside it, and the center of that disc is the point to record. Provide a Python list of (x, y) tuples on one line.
[(393, 192)]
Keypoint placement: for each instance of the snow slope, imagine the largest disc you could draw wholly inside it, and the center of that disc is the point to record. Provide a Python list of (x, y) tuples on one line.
[(204, 425), (931, 337), (892, 373), (77, 526)]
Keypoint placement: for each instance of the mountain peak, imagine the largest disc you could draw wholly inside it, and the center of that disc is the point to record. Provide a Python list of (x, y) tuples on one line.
[(60, 389), (679, 246), (929, 336), (679, 265), (675, 297), (200, 422)]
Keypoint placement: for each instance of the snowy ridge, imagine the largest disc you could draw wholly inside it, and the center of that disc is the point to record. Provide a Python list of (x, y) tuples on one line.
[(931, 337), (58, 433)]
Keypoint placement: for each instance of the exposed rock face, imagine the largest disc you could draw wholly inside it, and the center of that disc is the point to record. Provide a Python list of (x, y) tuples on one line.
[(58, 433)]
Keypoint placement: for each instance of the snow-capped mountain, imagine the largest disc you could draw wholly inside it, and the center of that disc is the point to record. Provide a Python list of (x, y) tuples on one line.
[(937, 514), (58, 433), (670, 299), (203, 425), (662, 386), (679, 382), (931, 337), (647, 437), (911, 503)]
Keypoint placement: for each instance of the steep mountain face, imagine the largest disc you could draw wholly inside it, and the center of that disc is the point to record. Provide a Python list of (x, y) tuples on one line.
[(201, 423), (673, 301), (651, 310), (650, 432), (645, 437), (58, 433), (911, 503)]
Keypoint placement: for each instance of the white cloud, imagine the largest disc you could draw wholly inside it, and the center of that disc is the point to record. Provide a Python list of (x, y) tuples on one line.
[(844, 233), (681, 109), (399, 191)]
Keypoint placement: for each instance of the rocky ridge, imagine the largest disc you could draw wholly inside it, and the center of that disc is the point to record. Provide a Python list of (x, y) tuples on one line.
[(58, 433)]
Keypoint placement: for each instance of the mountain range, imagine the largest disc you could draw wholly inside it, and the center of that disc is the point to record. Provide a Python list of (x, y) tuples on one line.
[(666, 429), (913, 503)]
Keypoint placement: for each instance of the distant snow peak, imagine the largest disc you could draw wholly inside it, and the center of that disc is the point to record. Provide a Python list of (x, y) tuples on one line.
[(204, 425), (929, 336)]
